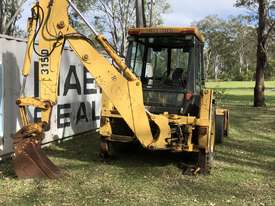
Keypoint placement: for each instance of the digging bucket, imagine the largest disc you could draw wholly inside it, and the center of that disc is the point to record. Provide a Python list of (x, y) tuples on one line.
[(29, 160)]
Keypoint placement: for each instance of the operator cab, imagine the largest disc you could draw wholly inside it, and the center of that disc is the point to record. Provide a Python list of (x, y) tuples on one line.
[(169, 62)]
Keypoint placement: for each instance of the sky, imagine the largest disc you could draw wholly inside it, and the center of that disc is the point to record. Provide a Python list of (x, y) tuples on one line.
[(182, 12)]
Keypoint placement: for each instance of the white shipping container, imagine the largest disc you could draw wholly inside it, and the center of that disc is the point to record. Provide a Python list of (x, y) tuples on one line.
[(79, 99)]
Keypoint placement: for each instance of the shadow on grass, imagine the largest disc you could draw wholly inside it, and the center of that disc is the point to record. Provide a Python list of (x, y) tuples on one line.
[(85, 150), (6, 169), (129, 156), (246, 122), (252, 141), (249, 155)]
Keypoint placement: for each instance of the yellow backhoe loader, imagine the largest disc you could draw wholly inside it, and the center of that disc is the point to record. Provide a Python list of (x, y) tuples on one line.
[(156, 98)]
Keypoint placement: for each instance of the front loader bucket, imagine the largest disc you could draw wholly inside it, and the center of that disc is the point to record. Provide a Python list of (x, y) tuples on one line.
[(29, 160)]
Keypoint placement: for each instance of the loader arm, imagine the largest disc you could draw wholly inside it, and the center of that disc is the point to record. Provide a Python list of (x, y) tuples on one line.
[(50, 25)]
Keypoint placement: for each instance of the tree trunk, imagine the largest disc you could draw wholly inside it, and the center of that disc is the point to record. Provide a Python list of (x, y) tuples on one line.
[(140, 14), (259, 97), (216, 67)]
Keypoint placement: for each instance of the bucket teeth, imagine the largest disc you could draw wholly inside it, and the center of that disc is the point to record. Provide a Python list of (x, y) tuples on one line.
[(29, 160)]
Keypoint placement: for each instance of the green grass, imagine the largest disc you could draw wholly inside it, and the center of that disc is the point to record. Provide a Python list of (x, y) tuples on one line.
[(238, 84), (243, 174)]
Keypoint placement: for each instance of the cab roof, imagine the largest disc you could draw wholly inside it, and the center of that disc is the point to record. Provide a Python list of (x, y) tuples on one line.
[(166, 31)]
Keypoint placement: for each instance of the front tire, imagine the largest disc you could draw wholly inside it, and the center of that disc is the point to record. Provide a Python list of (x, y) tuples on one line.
[(105, 150), (219, 129), (205, 161)]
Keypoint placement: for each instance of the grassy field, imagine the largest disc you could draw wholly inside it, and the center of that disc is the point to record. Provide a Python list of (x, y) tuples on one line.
[(243, 174), (236, 84)]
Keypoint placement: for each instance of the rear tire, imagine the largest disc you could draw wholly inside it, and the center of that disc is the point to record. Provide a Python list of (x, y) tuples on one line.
[(205, 161), (219, 129), (226, 132), (105, 150)]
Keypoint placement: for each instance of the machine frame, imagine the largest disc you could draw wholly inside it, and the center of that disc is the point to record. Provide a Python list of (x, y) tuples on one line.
[(122, 91)]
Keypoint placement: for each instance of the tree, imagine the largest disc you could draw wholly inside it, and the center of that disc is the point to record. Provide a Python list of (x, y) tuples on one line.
[(265, 27), (83, 6), (229, 45), (115, 17), (140, 13), (211, 27), (154, 11), (9, 14)]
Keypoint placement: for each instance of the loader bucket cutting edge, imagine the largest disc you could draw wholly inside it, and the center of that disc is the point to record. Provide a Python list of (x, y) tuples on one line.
[(30, 162)]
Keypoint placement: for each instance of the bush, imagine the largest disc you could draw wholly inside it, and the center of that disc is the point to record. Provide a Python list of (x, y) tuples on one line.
[(270, 70), (219, 94)]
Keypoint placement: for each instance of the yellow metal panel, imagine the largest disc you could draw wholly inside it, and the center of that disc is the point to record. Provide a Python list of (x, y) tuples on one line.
[(125, 95), (50, 49), (206, 116), (122, 87), (220, 111), (206, 104), (121, 65), (30, 101), (165, 132)]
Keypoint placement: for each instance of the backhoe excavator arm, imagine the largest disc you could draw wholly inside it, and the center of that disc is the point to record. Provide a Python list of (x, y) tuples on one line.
[(50, 26)]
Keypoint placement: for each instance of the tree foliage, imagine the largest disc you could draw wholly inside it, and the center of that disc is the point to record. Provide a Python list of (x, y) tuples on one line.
[(265, 26), (229, 48), (159, 7), (9, 14), (83, 6), (115, 17)]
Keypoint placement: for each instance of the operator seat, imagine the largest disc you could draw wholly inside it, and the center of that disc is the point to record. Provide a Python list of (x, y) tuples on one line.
[(177, 77)]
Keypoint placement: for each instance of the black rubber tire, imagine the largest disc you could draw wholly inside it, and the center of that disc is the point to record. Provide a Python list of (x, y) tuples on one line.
[(205, 161), (219, 129), (226, 132), (106, 149)]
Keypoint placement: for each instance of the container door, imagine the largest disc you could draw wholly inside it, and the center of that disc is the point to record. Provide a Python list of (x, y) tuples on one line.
[(1, 107)]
